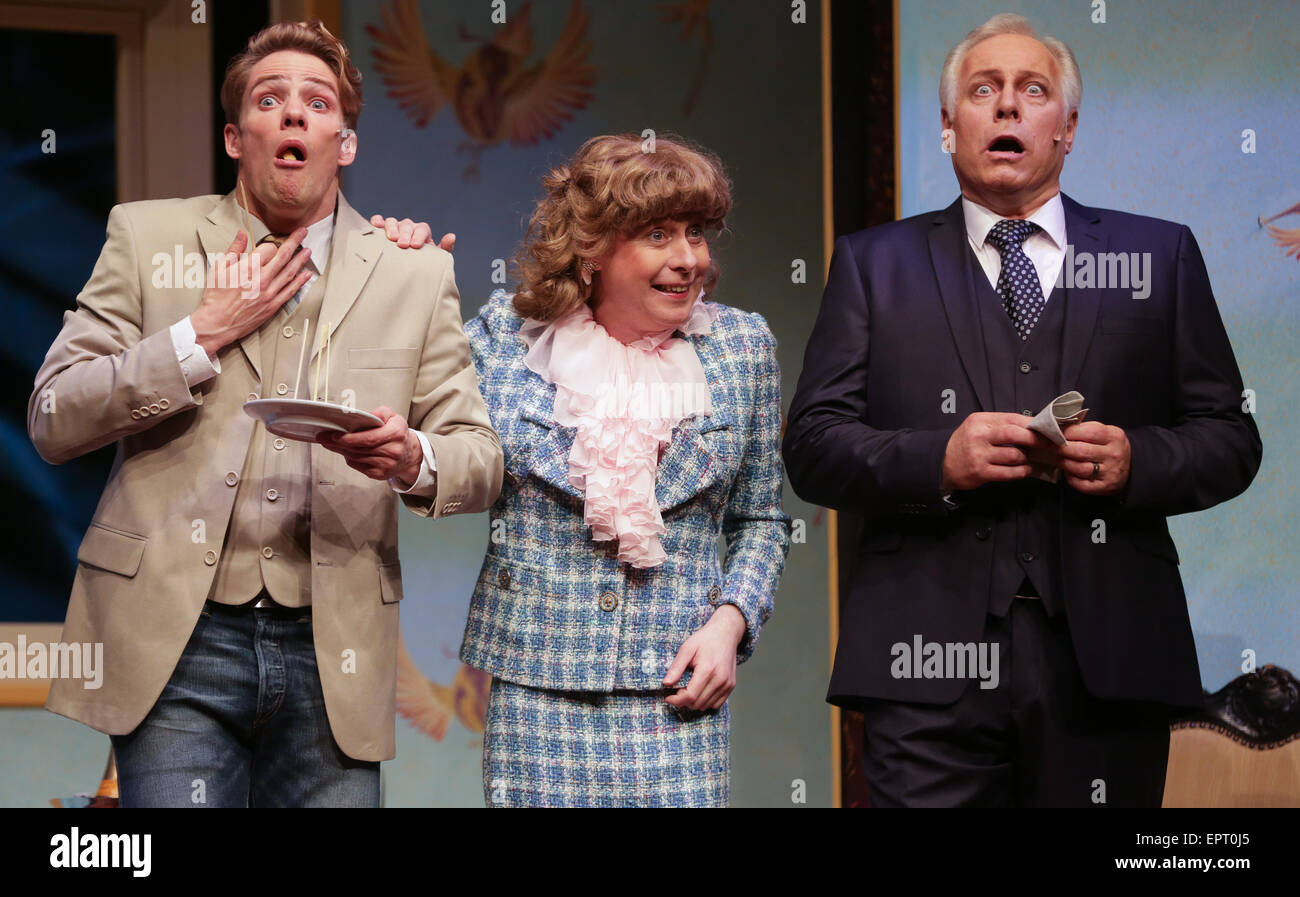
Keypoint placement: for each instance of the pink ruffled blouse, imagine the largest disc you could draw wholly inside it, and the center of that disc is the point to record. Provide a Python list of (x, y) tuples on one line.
[(624, 401)]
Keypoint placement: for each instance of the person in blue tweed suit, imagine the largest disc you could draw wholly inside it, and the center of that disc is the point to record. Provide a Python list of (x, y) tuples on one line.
[(639, 423)]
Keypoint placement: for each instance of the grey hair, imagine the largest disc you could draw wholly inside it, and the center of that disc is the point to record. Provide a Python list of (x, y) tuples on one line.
[(1010, 23)]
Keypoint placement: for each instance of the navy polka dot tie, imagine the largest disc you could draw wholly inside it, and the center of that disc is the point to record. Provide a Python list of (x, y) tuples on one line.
[(1018, 284)]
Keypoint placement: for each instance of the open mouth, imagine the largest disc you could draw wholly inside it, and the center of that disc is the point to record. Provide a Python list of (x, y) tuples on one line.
[(672, 289), (292, 152), (1007, 144)]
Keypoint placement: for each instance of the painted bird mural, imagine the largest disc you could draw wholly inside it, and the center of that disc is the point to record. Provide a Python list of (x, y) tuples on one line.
[(494, 94), (1286, 237), (428, 706)]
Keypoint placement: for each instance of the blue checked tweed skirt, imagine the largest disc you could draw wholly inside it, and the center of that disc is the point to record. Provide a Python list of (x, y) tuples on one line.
[(545, 748)]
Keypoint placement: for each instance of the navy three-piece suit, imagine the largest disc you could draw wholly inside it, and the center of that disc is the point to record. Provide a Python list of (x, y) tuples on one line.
[(910, 340)]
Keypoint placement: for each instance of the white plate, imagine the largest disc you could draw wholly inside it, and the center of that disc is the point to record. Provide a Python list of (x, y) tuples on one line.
[(306, 421)]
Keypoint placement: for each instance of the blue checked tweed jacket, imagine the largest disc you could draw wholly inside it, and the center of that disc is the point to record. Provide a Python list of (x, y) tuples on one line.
[(554, 609)]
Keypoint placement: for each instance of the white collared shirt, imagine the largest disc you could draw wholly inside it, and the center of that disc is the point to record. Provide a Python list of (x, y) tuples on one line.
[(320, 236), (1046, 248)]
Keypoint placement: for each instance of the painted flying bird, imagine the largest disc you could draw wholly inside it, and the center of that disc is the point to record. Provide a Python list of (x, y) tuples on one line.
[(493, 95), (1286, 237), (428, 706)]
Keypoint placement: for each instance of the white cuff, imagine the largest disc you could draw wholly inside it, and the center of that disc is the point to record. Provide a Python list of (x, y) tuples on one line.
[(196, 367), (426, 484)]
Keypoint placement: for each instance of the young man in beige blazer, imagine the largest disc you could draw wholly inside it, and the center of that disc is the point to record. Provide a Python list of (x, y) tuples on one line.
[(245, 587)]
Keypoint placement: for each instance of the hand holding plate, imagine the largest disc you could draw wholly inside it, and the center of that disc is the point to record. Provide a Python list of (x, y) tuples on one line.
[(389, 451)]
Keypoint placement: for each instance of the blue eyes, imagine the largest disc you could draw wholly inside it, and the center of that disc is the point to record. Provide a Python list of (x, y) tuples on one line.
[(1035, 90), (269, 101)]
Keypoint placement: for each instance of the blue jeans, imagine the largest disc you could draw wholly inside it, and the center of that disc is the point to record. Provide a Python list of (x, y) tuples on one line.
[(242, 723)]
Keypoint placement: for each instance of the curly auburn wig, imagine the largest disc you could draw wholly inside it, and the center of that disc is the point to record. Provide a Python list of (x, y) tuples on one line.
[(614, 186)]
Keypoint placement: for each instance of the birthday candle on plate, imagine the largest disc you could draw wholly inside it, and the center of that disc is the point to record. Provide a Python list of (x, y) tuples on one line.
[(301, 354), (316, 353)]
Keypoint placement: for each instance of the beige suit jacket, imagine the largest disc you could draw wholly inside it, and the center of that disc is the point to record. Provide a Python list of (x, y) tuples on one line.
[(147, 561)]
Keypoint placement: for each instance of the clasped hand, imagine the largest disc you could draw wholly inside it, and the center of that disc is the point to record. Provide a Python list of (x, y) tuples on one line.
[(993, 447)]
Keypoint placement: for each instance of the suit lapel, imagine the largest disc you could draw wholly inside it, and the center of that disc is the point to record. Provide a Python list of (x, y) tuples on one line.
[(688, 466), (353, 255), (1081, 306), (550, 452), (948, 250), (216, 233)]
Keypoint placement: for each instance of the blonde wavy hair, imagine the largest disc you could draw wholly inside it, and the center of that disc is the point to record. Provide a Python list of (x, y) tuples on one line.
[(614, 186)]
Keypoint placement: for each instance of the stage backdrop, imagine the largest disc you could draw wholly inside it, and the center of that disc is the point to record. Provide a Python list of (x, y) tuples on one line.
[(1189, 113), (742, 79)]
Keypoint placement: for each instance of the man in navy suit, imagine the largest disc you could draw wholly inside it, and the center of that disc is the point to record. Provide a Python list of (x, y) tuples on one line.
[(1013, 640)]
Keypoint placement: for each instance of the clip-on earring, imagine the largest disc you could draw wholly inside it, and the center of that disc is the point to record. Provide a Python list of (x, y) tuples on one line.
[(588, 266)]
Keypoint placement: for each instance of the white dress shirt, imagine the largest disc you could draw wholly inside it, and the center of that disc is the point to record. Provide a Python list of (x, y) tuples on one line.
[(197, 367), (1046, 249)]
